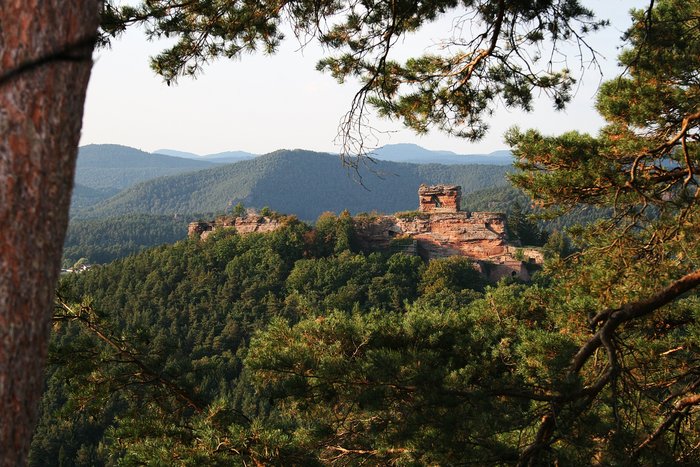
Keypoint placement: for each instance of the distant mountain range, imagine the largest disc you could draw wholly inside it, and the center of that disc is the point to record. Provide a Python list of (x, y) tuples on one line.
[(103, 170), (223, 157), (294, 182), (110, 166), (415, 154), (411, 153)]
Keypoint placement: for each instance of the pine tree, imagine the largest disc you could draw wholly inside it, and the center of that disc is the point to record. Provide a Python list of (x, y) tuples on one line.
[(46, 55)]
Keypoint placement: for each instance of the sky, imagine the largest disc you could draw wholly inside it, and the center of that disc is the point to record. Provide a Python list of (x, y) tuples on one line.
[(263, 103)]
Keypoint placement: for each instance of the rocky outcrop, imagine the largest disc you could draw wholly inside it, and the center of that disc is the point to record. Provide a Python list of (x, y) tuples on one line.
[(481, 236), (242, 224), (196, 229)]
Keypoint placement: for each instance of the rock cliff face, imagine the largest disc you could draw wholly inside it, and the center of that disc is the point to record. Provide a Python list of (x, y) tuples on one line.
[(247, 224), (481, 236)]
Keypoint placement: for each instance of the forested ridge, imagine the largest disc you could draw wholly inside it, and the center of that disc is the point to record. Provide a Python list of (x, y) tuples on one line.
[(103, 170), (296, 182), (134, 335), (106, 239), (111, 166)]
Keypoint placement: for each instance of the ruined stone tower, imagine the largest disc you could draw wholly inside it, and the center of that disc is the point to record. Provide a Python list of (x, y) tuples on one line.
[(439, 198)]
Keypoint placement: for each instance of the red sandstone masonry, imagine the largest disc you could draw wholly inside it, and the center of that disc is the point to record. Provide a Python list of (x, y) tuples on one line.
[(480, 236), (439, 198)]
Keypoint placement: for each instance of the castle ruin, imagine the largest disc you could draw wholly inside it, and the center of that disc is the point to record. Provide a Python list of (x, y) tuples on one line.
[(439, 198), (438, 229)]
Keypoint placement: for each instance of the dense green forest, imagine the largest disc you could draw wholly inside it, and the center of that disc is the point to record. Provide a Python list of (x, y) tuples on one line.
[(84, 196), (180, 318), (294, 347), (294, 182), (106, 239)]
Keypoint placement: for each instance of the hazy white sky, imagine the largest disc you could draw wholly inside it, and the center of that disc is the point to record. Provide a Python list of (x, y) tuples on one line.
[(262, 103)]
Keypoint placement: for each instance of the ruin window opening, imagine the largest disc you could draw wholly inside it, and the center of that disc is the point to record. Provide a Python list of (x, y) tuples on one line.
[(435, 200)]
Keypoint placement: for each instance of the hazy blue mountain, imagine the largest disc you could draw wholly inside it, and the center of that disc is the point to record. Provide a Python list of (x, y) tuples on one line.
[(226, 157), (175, 153), (415, 154), (84, 196), (294, 182), (230, 156), (109, 167), (403, 152)]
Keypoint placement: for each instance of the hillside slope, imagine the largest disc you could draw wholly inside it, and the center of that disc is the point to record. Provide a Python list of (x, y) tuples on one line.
[(295, 182), (114, 167)]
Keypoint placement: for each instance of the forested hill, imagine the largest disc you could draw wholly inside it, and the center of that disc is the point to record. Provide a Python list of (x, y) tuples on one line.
[(296, 182), (111, 166)]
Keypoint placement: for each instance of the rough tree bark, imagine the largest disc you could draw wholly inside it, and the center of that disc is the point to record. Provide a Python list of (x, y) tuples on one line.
[(45, 62)]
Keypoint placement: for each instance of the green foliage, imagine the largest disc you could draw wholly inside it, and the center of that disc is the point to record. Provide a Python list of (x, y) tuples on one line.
[(238, 210), (454, 273), (524, 228), (334, 234), (642, 168), (557, 246), (183, 312), (416, 387), (153, 342)]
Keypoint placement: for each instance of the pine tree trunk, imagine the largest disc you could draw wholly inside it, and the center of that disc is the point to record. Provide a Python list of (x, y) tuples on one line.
[(45, 62)]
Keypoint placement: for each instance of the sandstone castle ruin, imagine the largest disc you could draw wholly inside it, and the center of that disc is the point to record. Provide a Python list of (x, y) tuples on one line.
[(438, 229)]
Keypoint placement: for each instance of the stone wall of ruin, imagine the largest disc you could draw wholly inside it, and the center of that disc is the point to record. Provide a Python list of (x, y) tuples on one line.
[(243, 225)]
